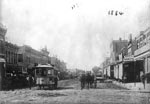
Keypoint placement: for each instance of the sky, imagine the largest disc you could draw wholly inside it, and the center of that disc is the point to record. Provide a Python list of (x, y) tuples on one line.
[(80, 36)]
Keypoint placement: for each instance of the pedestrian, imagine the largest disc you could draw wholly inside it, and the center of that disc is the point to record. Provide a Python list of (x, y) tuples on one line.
[(91, 80), (13, 82), (82, 80), (142, 77), (124, 78), (30, 79), (95, 81), (88, 80), (56, 81)]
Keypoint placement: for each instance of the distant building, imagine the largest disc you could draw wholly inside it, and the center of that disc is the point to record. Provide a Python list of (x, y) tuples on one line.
[(45, 51), (106, 67), (115, 48), (58, 63), (45, 54)]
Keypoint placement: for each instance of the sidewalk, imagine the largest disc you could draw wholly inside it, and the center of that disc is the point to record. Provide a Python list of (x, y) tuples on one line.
[(134, 86)]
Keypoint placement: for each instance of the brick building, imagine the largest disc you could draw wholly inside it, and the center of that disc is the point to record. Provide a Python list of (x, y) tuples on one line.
[(2, 53), (11, 56), (29, 57)]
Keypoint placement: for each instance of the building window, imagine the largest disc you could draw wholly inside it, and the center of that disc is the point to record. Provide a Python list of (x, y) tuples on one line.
[(20, 57), (6, 56), (9, 57), (15, 58)]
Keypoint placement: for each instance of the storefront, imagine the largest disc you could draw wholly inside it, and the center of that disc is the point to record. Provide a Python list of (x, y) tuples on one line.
[(142, 59), (2, 69)]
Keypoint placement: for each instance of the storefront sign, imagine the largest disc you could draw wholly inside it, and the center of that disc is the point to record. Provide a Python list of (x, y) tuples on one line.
[(129, 58)]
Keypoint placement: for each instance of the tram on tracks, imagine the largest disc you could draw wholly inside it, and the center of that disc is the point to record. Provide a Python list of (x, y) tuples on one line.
[(46, 75)]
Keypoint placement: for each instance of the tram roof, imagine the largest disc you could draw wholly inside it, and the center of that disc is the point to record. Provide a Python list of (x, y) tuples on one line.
[(45, 66)]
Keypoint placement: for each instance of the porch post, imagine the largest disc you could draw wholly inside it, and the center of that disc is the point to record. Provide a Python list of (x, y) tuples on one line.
[(134, 73)]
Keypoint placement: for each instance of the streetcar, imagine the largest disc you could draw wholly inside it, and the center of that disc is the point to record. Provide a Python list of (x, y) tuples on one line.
[(46, 75)]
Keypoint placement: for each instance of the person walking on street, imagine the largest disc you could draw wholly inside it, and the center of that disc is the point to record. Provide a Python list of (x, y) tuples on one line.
[(142, 77), (95, 81), (30, 81), (82, 80), (13, 81), (88, 79), (56, 81)]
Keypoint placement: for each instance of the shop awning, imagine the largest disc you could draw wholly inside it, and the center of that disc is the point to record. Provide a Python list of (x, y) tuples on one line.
[(142, 56)]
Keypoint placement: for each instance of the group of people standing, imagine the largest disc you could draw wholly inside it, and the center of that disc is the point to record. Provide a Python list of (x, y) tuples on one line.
[(88, 80), (31, 81)]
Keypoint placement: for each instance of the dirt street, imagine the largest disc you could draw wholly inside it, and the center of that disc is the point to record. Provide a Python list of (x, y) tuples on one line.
[(69, 92)]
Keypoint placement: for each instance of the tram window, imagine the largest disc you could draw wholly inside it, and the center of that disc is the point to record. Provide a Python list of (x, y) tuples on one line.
[(43, 72), (49, 71), (52, 71), (38, 71), (55, 72)]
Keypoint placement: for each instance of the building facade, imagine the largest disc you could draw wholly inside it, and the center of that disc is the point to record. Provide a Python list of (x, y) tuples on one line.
[(143, 54), (2, 54), (11, 56), (106, 67), (116, 48), (3, 31), (29, 57)]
